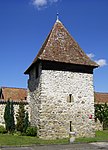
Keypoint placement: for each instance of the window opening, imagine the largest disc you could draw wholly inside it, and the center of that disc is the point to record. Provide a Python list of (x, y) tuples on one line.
[(70, 98), (70, 126)]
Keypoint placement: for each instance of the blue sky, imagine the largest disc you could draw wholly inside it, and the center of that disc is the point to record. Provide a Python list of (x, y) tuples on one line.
[(24, 25)]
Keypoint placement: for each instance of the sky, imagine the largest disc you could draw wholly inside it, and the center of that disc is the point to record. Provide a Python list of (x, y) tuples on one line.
[(25, 24)]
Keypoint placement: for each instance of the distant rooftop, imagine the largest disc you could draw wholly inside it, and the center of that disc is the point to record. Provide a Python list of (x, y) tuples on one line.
[(101, 97), (15, 94)]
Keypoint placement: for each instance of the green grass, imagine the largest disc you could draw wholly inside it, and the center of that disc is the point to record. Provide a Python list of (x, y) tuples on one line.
[(100, 136), (15, 140), (26, 140)]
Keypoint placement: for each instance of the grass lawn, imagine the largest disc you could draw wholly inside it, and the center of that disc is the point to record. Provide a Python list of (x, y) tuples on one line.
[(16, 140), (27, 140), (100, 136)]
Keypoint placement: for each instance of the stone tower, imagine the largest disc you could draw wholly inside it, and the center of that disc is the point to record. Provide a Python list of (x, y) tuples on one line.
[(60, 87)]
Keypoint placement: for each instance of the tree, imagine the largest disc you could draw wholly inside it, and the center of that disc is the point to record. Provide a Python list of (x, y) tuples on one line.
[(7, 117), (20, 118), (101, 113), (12, 121), (105, 114), (26, 122)]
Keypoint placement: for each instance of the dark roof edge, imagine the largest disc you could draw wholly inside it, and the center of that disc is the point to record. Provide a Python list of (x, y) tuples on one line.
[(13, 87), (29, 68), (38, 60), (14, 101), (101, 92)]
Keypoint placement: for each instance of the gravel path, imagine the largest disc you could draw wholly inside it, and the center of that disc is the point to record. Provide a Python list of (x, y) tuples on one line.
[(92, 146)]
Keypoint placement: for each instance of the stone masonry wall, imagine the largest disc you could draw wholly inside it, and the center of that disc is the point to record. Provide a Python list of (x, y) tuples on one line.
[(16, 106), (51, 110), (98, 126), (34, 91), (57, 114)]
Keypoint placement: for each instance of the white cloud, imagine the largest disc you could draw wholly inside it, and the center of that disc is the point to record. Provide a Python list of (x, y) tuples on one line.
[(91, 55), (101, 62), (39, 3), (42, 3)]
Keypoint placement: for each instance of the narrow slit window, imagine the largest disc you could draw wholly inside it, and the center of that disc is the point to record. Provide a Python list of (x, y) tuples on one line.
[(70, 126), (70, 98)]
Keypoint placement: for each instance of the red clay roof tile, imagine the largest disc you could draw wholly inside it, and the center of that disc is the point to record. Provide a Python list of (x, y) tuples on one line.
[(101, 97), (15, 94), (61, 47)]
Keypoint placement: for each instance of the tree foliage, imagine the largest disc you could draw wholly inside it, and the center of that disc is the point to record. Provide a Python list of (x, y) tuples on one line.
[(22, 119), (101, 113), (9, 116), (31, 131), (12, 117), (26, 122)]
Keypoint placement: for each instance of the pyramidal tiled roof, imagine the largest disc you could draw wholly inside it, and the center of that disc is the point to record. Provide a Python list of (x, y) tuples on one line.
[(60, 46)]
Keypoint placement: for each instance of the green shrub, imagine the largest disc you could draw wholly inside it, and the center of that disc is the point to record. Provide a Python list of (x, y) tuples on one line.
[(101, 113), (31, 131), (17, 133), (20, 118), (2, 129)]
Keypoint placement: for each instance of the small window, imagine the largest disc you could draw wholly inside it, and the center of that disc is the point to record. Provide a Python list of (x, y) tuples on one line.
[(70, 98), (70, 126)]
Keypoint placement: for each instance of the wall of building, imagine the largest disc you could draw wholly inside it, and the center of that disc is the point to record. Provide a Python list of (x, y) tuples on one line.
[(57, 112), (16, 107), (51, 110), (98, 126), (34, 92)]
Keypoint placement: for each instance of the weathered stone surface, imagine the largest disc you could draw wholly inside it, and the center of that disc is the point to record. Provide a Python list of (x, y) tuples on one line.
[(98, 126), (50, 109), (34, 97), (16, 106)]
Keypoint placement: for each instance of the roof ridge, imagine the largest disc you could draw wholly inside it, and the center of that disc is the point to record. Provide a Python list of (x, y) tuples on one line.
[(101, 92), (13, 87)]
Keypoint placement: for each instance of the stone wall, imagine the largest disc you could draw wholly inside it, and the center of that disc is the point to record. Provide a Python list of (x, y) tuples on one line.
[(16, 106), (51, 109), (34, 93), (98, 126), (2, 108)]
